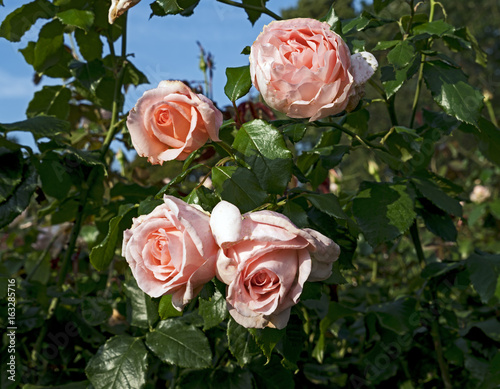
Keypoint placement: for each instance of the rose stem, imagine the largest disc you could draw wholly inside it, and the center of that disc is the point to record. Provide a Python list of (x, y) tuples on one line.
[(75, 232), (421, 71)]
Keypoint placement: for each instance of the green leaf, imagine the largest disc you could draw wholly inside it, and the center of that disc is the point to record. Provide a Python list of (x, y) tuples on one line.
[(363, 22), (379, 5), (492, 377), (267, 338), (489, 139), (393, 79), (174, 7), (166, 309), (295, 131), (450, 90), (491, 327), (327, 203), (254, 15), (213, 311), (384, 211), (437, 196), (238, 186), (49, 45), (89, 44), (20, 197), (39, 126), (481, 56), (131, 192), (103, 253), (19, 21), (484, 272), (77, 18), (241, 343), (55, 176), (202, 197), (271, 375), (402, 54), (238, 82), (51, 100), (384, 45), (293, 342), (133, 75), (180, 344), (88, 73), (231, 377), (11, 174), (439, 223), (144, 309), (179, 178), (436, 269), (96, 310), (335, 311), (165, 7), (147, 205), (399, 316), (121, 363), (296, 213), (262, 147), (333, 20), (434, 28)]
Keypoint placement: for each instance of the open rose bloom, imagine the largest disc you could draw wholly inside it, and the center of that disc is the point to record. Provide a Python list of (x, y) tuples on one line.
[(171, 121), (305, 70), (171, 251), (265, 261)]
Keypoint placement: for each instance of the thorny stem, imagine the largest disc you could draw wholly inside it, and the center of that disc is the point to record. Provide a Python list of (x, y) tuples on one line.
[(113, 127), (262, 9), (438, 346), (420, 73), (489, 107), (227, 149), (239, 121), (75, 232), (363, 141), (389, 102), (415, 237)]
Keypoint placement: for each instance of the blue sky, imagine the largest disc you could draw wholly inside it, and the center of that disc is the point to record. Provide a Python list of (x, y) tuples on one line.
[(164, 48)]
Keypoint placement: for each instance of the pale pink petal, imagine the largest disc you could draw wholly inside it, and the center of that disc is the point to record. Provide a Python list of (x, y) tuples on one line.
[(226, 223)]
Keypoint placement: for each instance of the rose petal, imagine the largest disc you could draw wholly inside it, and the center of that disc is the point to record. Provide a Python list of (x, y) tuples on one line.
[(324, 252), (363, 66), (226, 223)]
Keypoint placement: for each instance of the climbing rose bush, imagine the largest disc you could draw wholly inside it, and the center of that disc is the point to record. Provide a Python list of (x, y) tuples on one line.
[(171, 121), (305, 70)]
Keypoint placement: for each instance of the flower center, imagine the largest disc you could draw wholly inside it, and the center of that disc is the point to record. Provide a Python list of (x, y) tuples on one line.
[(162, 117)]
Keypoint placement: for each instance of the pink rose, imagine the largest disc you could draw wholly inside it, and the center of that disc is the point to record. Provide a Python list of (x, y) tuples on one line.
[(265, 260), (172, 121), (171, 251), (303, 69)]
